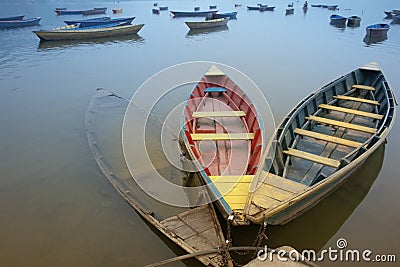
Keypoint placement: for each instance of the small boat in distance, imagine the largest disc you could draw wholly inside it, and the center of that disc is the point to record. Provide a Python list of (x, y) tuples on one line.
[(193, 13), (353, 21), (230, 15), (320, 143), (117, 11), (77, 21), (95, 11), (21, 17), (103, 22), (396, 18), (73, 32), (219, 117), (289, 11), (211, 23), (213, 7), (238, 5), (155, 11), (266, 8), (20, 23), (388, 14), (338, 20), (163, 8), (379, 29)]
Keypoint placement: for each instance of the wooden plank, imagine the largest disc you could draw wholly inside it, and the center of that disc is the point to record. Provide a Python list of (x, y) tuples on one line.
[(283, 183), (214, 71), (327, 138), (352, 111), (232, 178), (239, 189), (312, 157), (211, 114), (357, 99), (342, 124), (363, 87), (270, 191), (265, 202), (224, 136)]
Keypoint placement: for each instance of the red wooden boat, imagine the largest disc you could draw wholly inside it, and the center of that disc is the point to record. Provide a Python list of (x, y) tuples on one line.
[(223, 136)]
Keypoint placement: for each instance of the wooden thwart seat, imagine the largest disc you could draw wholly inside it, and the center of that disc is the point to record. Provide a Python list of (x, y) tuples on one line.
[(363, 87), (222, 136), (342, 124), (357, 99), (312, 157), (327, 138), (352, 111), (231, 178), (211, 114)]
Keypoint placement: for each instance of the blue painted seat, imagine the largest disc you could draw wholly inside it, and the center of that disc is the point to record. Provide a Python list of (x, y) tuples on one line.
[(215, 89)]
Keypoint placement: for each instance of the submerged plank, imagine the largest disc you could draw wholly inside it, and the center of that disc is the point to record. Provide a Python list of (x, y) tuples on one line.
[(312, 157), (222, 136), (352, 111), (342, 124), (357, 99), (211, 114), (327, 138)]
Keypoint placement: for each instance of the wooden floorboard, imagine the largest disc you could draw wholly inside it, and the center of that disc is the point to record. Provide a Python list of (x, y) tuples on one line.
[(327, 138), (312, 157)]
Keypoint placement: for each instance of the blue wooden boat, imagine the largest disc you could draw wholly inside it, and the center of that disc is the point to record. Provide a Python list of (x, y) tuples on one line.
[(213, 7), (337, 19), (70, 22), (120, 21), (20, 23), (12, 18), (192, 13), (289, 11), (230, 15), (379, 29), (94, 11), (155, 11), (68, 12), (266, 8), (163, 8)]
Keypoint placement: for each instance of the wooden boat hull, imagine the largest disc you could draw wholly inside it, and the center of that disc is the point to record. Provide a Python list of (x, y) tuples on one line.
[(70, 34), (192, 13), (12, 18), (396, 18), (20, 23), (358, 108), (117, 11), (97, 11), (230, 15), (289, 11), (377, 29), (353, 21), (217, 112), (338, 20), (163, 8), (155, 11), (267, 8), (213, 23)]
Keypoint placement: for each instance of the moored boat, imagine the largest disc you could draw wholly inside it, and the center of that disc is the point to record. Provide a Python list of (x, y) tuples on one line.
[(230, 15), (388, 14), (20, 23), (238, 5), (396, 18), (117, 11), (337, 19), (155, 11), (213, 6), (320, 143), (211, 23), (163, 8), (21, 17), (222, 132), (266, 8), (289, 11), (193, 13), (253, 7), (77, 21), (73, 32), (95, 11), (353, 21), (332, 7), (377, 29), (104, 22)]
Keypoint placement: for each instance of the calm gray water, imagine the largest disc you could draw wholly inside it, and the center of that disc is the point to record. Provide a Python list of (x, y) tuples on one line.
[(57, 208)]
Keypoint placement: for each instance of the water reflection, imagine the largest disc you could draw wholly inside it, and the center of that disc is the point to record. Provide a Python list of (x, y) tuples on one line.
[(316, 227), (374, 39), (48, 45), (201, 32)]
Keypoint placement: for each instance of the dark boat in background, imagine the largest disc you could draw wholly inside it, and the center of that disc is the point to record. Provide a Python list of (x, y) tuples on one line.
[(21, 17), (379, 29), (192, 13), (101, 22), (77, 21), (353, 21), (20, 23)]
